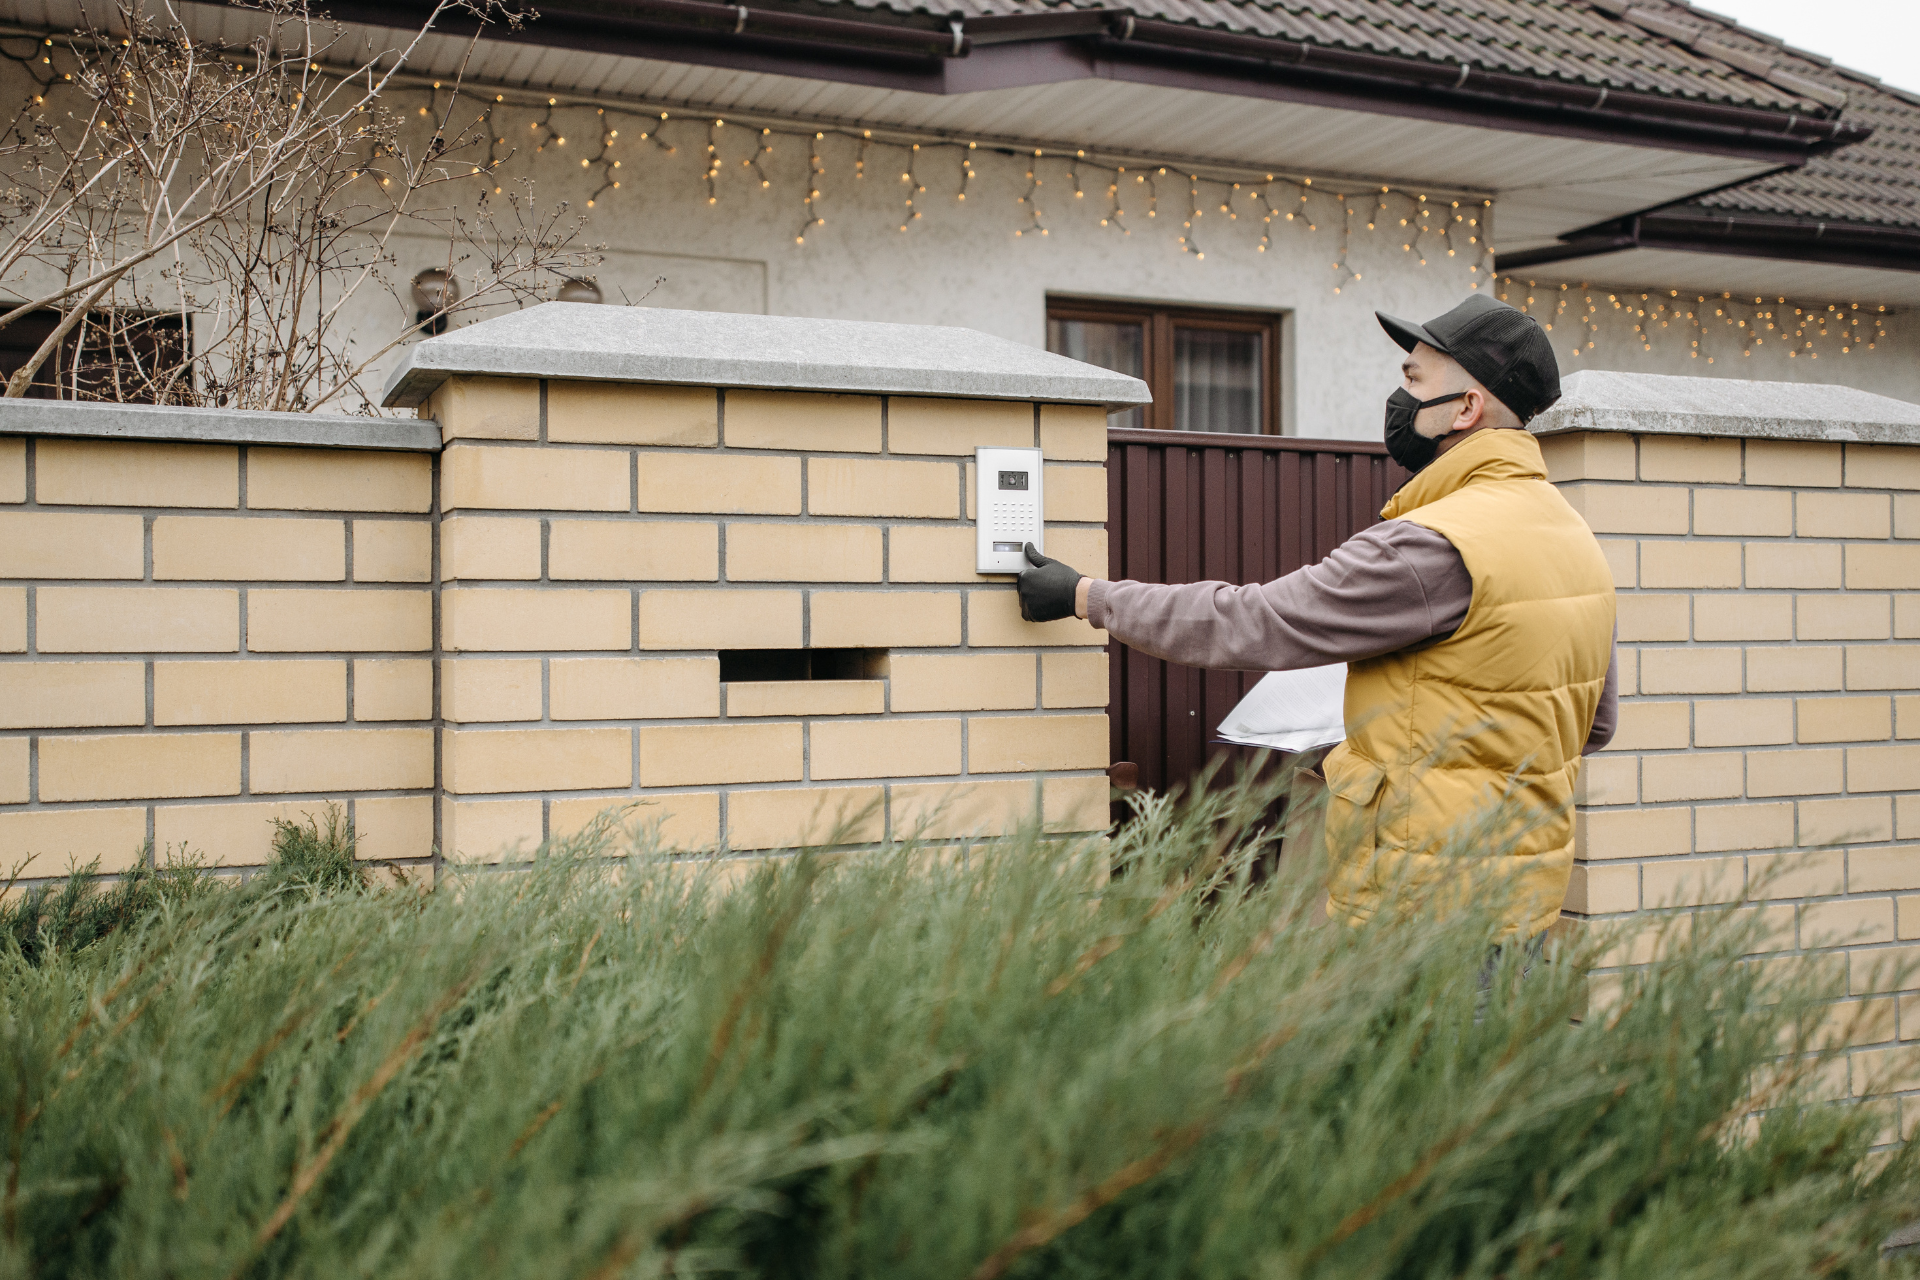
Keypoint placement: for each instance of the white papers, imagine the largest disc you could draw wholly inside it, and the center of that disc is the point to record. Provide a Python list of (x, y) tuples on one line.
[(1291, 710)]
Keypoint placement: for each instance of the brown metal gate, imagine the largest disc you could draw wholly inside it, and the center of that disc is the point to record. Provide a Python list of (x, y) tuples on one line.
[(1185, 507)]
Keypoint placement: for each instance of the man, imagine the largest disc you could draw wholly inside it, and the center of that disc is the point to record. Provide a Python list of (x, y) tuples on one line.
[(1477, 622)]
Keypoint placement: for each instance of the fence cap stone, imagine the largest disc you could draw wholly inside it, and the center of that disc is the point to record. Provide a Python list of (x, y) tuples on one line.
[(583, 340), (89, 420), (1663, 404)]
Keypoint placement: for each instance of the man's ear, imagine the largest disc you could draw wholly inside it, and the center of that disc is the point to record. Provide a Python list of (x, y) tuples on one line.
[(1471, 411)]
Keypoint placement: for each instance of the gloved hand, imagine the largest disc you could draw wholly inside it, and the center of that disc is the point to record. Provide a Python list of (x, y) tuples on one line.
[(1047, 589)]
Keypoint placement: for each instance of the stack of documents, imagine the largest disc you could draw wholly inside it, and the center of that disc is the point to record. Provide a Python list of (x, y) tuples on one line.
[(1291, 710)]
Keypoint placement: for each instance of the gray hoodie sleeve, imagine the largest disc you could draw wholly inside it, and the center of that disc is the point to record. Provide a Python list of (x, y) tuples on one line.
[(1393, 586)]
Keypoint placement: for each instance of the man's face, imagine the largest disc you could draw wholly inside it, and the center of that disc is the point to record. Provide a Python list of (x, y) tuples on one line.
[(1427, 373)]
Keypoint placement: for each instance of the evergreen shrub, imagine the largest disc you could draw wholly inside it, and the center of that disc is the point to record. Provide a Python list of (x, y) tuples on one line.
[(924, 1061)]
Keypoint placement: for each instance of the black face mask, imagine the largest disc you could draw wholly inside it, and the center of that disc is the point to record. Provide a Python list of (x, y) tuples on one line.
[(1405, 445)]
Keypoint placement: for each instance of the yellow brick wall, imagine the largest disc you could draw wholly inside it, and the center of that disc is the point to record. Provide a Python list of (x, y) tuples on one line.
[(602, 542), (1770, 701), (195, 639)]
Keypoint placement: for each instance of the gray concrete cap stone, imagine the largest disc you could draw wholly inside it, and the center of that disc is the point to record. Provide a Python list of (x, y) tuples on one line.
[(1662, 404), (582, 340), (87, 420)]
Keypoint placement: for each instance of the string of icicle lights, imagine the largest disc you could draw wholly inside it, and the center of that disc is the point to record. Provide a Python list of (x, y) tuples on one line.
[(1713, 327), (1430, 227)]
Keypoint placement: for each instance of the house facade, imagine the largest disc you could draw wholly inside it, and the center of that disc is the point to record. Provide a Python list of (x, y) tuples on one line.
[(1213, 197)]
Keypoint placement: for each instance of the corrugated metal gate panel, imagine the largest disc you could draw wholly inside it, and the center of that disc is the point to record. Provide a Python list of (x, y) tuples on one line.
[(1186, 507)]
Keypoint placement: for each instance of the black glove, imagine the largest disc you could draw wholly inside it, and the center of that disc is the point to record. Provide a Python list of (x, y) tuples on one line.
[(1047, 589)]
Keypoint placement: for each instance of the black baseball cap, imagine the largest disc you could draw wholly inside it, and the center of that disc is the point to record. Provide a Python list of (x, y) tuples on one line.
[(1503, 347)]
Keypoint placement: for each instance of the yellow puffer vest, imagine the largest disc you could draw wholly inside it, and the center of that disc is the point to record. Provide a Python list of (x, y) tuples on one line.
[(1439, 739)]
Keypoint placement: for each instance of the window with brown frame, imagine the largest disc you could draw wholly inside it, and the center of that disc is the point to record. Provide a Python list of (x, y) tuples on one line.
[(1209, 370)]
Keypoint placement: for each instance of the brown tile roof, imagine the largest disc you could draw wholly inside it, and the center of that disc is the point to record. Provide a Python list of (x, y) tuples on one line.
[(1577, 41)]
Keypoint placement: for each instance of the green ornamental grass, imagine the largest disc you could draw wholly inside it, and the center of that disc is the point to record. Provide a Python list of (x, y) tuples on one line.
[(921, 1061)]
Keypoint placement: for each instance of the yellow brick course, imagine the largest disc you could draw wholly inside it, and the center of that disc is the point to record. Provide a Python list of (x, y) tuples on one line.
[(1882, 870), (884, 619), (487, 690), (951, 810), (626, 413), (634, 688), (1608, 779), (478, 761), (1906, 616), (1075, 493), (137, 620), (1695, 776), (1073, 432), (125, 474), (1802, 565), (14, 788), (13, 619), (1653, 617), (633, 551), (1851, 920), (719, 619), (1844, 616), (1623, 558), (1691, 459), (284, 760), (338, 480), (1072, 803), (1689, 564), (1634, 833), (803, 552), (1794, 773), (962, 682), (13, 470), (481, 547), (1876, 568), (1844, 719), (1906, 716), (1631, 508), (1883, 666), (55, 838), (811, 816), (930, 553), (491, 830), (1883, 466), (1741, 617), (803, 420), (1691, 670), (993, 621), (57, 544), (139, 766), (1020, 744), (1692, 882), (1749, 722), (249, 692), (1794, 464), (392, 551), (686, 821), (916, 425), (1800, 874), (1588, 455), (1850, 820), (1843, 515), (1596, 890), (731, 484), (1084, 549), (71, 695), (374, 621), (392, 689), (1720, 827), (806, 698), (697, 755), (502, 478), (884, 748), (242, 549), (883, 487), (228, 835), (509, 620), (1794, 668), (1652, 726), (1073, 680), (1752, 513), (487, 408)]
